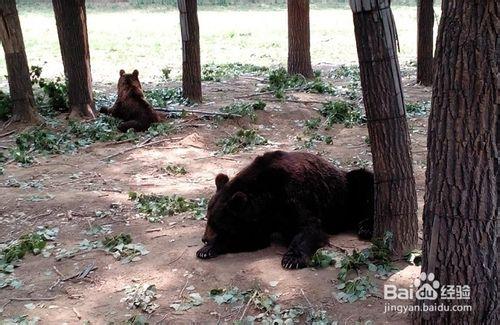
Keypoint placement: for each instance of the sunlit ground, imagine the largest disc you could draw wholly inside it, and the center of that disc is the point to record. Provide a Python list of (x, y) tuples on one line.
[(150, 39)]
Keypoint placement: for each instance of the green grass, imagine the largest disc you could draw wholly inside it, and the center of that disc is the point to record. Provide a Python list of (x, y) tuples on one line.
[(150, 39)]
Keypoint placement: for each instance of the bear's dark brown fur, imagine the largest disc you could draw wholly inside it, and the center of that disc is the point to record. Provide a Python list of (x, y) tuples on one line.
[(298, 195), (131, 106)]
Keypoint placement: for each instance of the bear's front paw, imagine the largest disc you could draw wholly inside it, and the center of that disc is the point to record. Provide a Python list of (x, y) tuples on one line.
[(294, 260), (207, 251)]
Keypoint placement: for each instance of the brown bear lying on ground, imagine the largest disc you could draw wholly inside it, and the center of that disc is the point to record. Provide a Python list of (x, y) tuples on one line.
[(131, 106), (298, 195)]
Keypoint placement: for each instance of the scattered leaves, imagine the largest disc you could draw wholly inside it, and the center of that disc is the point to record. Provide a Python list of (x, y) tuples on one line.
[(243, 109), (356, 289), (219, 72), (341, 111), (242, 139), (156, 207), (141, 296)]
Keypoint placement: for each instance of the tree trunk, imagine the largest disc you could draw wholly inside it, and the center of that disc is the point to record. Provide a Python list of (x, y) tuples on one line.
[(395, 195), (460, 212), (71, 20), (21, 92), (191, 67), (299, 56), (425, 40), (497, 164)]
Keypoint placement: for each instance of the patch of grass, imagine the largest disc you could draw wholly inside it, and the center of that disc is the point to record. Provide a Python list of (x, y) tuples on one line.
[(29, 243), (141, 296), (315, 138), (78, 134), (54, 92), (346, 71), (5, 106), (356, 289), (219, 72), (418, 108), (324, 258), (342, 112), (165, 73), (173, 169), (162, 97), (102, 129), (312, 124), (157, 207), (157, 129), (112, 242), (242, 139), (280, 82), (244, 109), (377, 258)]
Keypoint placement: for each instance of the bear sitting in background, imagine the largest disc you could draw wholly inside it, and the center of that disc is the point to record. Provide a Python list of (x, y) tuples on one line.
[(131, 106), (298, 195)]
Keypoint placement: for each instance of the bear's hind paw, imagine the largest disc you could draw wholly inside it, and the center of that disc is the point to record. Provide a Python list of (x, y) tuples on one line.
[(206, 252), (294, 260)]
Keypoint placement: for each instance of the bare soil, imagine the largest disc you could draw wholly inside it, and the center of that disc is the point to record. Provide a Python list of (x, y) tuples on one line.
[(171, 264)]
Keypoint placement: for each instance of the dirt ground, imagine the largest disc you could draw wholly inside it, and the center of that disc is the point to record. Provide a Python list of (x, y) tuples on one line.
[(71, 203)]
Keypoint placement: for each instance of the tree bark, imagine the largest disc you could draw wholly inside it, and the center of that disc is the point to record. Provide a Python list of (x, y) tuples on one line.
[(71, 20), (299, 55), (497, 164), (21, 92), (191, 66), (425, 41), (395, 195), (460, 213)]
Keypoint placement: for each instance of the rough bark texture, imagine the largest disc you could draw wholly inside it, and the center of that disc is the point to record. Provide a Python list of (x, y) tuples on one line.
[(299, 55), (425, 42), (460, 211), (21, 93), (497, 164), (395, 195), (71, 20), (191, 66)]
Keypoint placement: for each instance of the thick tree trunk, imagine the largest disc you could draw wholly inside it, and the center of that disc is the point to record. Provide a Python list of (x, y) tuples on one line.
[(299, 55), (425, 41), (71, 20), (395, 195), (191, 66), (497, 165), (21, 92), (460, 212)]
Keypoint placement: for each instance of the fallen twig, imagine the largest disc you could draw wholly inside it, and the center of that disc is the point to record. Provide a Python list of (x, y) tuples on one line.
[(57, 271), (154, 229), (33, 298), (255, 94), (177, 258), (183, 288), (170, 110), (77, 313), (305, 297), (82, 274), (248, 304), (140, 145), (7, 133), (158, 236)]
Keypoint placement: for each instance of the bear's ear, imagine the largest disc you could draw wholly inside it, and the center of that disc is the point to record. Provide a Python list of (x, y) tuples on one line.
[(122, 72), (136, 73), (221, 180), (238, 201)]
